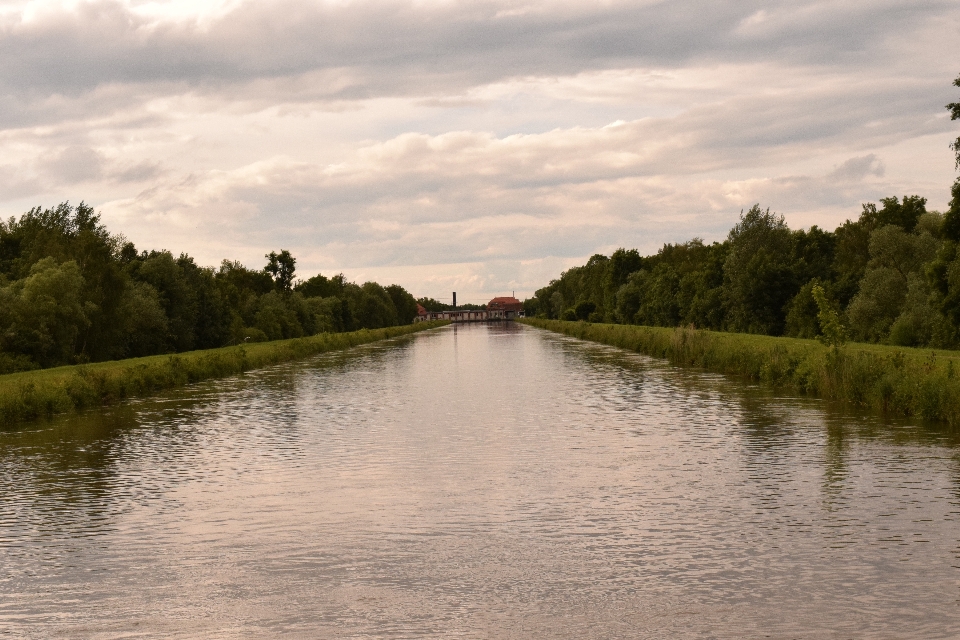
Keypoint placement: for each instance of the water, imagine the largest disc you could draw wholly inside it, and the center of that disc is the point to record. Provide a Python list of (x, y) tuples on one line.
[(479, 482)]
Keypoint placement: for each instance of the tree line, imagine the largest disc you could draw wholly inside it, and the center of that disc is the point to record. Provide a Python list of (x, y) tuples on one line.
[(71, 292), (891, 276)]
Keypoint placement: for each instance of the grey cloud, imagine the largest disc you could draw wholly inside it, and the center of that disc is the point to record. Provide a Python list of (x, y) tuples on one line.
[(405, 49), (81, 164), (73, 164), (136, 172), (72, 114), (858, 168)]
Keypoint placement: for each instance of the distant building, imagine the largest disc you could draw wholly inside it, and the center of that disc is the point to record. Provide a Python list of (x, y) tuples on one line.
[(501, 308), (505, 308)]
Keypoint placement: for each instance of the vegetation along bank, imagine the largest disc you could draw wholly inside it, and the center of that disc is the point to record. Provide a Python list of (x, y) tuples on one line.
[(903, 381), (33, 394), (71, 292)]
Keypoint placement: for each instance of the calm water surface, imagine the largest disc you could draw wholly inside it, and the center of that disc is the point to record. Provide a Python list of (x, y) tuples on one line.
[(479, 482)]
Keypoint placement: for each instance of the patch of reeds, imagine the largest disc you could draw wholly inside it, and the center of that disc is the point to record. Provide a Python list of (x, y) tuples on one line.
[(34, 394), (896, 380)]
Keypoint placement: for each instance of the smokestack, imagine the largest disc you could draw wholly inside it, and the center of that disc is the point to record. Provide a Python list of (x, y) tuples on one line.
[(454, 299)]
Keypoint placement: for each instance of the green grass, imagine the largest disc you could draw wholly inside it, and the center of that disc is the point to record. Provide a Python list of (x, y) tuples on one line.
[(895, 380), (35, 394)]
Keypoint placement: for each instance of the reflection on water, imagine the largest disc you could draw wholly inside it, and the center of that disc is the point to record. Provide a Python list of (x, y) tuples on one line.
[(479, 481)]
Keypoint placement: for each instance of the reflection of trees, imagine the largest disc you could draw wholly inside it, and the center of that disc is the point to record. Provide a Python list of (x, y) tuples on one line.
[(60, 477), (79, 472), (834, 466), (777, 432)]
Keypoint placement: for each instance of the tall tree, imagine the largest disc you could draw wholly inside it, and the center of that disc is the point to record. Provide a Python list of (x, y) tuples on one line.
[(282, 267), (759, 279)]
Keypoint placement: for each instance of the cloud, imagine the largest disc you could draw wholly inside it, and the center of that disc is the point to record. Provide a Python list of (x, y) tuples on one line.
[(73, 164), (481, 143), (856, 169), (361, 50), (469, 197)]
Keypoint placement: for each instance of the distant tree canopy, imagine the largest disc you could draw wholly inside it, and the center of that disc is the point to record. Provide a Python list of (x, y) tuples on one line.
[(892, 276), (72, 292), (430, 304)]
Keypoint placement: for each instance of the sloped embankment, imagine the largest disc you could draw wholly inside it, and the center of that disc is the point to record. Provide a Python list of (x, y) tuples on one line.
[(34, 394), (898, 380)]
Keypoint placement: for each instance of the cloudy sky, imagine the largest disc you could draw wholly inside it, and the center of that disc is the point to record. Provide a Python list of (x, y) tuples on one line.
[(480, 147)]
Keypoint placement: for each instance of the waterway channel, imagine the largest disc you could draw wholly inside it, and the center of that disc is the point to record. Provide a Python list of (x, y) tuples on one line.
[(482, 481)]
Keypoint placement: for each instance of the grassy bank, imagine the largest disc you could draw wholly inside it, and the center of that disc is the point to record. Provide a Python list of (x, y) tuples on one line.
[(34, 394), (902, 381)]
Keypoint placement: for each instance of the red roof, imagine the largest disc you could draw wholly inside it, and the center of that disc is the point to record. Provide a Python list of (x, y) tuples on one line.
[(420, 310), (507, 303)]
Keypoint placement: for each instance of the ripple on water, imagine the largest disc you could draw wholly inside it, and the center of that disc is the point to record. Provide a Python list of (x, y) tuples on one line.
[(479, 481)]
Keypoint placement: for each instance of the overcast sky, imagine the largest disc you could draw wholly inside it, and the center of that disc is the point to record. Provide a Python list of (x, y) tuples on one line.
[(479, 147)]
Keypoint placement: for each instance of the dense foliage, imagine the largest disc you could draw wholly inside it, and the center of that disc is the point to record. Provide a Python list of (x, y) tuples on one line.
[(892, 276), (71, 292)]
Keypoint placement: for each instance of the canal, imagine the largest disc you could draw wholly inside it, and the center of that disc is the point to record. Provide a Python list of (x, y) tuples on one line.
[(479, 481)]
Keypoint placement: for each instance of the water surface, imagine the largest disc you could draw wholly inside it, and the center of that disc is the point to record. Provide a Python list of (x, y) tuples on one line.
[(486, 481)]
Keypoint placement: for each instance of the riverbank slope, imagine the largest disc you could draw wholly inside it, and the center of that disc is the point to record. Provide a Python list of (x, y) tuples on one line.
[(34, 394), (898, 380)]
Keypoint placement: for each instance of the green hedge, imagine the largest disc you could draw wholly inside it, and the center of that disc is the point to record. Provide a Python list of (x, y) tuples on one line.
[(34, 394), (897, 380)]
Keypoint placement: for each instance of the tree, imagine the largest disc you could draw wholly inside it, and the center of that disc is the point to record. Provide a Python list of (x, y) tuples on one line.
[(161, 271), (44, 313), (321, 286), (144, 326), (850, 258), (832, 332), (802, 319), (758, 276), (238, 278), (556, 304), (212, 319), (281, 266), (584, 309), (701, 288), (896, 261), (954, 108), (370, 306), (919, 324), (903, 214), (951, 222), (623, 262), (276, 318), (403, 302), (630, 297), (659, 303)]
